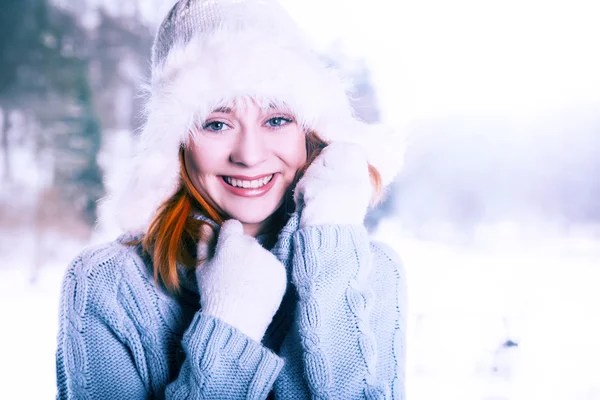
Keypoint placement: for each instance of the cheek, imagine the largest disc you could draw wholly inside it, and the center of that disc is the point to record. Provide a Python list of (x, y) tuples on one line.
[(202, 160), (295, 152)]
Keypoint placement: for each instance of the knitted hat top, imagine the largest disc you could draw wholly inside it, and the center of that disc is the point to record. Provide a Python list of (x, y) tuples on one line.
[(191, 18), (208, 53)]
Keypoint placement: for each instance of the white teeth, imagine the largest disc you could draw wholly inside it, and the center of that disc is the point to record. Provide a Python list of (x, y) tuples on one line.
[(248, 184)]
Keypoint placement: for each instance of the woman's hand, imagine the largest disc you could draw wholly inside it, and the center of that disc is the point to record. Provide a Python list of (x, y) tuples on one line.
[(243, 283), (336, 188)]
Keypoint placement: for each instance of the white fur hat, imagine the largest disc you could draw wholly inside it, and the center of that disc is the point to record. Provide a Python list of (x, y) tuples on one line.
[(208, 53)]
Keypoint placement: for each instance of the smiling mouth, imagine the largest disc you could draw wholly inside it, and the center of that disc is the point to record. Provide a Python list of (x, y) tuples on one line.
[(245, 184)]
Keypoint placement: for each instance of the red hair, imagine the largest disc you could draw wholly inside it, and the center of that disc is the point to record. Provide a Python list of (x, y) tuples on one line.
[(174, 233)]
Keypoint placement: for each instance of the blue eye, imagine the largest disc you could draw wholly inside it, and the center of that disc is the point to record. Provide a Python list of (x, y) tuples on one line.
[(215, 126), (278, 122)]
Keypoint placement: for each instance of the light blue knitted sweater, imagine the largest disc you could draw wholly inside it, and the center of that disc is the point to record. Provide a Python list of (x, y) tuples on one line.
[(338, 334)]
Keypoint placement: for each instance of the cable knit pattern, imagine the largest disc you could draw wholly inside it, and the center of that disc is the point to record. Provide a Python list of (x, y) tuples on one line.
[(331, 271), (399, 344), (339, 332)]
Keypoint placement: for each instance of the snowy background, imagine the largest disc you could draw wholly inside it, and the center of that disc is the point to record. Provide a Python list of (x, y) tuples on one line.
[(496, 215)]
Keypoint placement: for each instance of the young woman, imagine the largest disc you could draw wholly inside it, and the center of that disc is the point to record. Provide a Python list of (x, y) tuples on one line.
[(245, 271)]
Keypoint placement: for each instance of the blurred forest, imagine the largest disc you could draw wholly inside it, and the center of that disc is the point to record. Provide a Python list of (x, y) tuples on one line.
[(69, 77), (64, 86)]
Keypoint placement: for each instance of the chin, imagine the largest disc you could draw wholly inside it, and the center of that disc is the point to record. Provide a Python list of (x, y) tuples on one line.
[(254, 211), (251, 217)]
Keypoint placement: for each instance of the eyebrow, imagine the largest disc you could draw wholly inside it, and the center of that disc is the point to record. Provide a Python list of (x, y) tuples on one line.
[(225, 110), (229, 110), (282, 107)]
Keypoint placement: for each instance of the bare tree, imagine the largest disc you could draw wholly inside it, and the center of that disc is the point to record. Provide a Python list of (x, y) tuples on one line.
[(4, 142)]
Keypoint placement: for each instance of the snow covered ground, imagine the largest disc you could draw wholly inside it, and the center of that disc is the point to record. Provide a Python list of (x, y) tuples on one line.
[(503, 319), (486, 322)]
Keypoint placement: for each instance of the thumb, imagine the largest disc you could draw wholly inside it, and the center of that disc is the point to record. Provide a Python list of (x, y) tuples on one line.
[(230, 228), (299, 193)]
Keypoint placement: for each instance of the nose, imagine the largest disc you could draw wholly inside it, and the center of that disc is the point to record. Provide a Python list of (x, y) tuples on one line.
[(250, 148)]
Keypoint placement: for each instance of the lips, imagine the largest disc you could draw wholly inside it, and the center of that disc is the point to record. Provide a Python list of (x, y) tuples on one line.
[(248, 183), (245, 186)]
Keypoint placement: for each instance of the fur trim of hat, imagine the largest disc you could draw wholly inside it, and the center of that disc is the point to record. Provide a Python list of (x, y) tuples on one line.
[(209, 53)]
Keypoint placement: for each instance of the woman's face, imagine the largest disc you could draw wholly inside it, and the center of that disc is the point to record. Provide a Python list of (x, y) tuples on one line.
[(244, 159)]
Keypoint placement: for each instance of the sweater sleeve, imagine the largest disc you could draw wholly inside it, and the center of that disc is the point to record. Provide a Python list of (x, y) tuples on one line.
[(348, 336), (102, 354), (223, 363), (92, 362)]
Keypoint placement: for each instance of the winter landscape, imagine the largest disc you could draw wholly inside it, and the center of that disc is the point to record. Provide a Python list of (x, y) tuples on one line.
[(496, 215)]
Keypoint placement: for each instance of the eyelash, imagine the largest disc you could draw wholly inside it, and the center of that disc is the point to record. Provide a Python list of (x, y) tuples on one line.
[(207, 125), (285, 119)]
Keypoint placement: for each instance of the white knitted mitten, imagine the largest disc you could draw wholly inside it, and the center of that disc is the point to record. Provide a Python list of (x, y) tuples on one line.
[(336, 188), (243, 283)]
